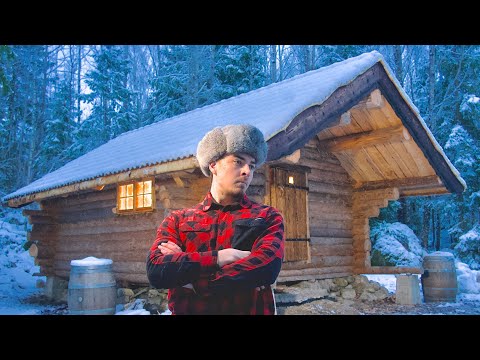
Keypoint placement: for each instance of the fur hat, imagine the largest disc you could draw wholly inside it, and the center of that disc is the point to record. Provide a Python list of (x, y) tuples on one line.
[(231, 139)]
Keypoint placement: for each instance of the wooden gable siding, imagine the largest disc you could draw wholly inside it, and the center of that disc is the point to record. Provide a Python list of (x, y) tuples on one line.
[(375, 147), (320, 117)]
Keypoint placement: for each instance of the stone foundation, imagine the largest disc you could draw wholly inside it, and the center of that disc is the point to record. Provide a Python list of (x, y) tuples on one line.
[(344, 288)]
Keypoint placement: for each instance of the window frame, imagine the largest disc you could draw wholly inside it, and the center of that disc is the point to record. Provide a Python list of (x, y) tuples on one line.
[(135, 185)]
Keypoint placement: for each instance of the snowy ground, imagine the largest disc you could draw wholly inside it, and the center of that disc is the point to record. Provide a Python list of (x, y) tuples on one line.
[(19, 294)]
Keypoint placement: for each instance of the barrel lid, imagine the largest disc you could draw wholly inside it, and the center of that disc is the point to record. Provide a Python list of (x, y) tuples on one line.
[(90, 261), (440, 254)]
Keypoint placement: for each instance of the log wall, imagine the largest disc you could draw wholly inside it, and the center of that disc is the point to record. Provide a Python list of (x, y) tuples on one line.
[(83, 225)]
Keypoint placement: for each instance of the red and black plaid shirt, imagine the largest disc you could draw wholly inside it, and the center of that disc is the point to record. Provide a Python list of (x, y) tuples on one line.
[(203, 230)]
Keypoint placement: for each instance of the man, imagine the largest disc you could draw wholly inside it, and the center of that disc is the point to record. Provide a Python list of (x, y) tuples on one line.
[(222, 255)]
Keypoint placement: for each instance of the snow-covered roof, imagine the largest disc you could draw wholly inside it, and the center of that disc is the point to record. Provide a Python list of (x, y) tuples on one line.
[(271, 109)]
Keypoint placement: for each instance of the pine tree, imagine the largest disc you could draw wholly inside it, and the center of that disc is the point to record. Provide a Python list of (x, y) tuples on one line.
[(110, 98)]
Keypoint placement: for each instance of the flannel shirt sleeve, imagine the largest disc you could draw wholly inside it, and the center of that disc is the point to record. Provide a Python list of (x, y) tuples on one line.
[(261, 267), (169, 271)]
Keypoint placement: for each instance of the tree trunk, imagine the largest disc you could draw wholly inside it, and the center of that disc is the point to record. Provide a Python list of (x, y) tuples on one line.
[(438, 230), (397, 54), (425, 225), (433, 227), (79, 82), (273, 63), (402, 211), (431, 87), (194, 75)]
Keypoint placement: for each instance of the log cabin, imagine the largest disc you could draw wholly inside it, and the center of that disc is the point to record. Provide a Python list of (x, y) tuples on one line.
[(344, 140)]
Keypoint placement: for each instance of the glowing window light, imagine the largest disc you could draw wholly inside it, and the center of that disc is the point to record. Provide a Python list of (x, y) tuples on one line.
[(290, 180), (136, 195)]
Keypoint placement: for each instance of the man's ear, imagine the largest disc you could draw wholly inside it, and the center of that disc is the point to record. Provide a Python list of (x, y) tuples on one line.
[(213, 167)]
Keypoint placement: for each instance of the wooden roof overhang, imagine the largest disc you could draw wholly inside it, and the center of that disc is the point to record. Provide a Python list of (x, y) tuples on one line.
[(377, 137), (175, 168)]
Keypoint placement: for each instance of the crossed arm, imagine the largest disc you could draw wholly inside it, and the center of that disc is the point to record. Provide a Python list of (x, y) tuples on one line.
[(169, 266), (225, 256)]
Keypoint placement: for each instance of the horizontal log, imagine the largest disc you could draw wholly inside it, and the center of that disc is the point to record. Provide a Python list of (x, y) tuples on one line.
[(387, 193), (357, 141), (424, 192), (323, 165), (316, 240), (48, 220), (172, 191), (105, 238), (329, 188), (330, 177), (44, 251), (141, 245), (331, 224), (325, 232), (362, 207), (88, 206), (77, 199), (30, 212), (258, 179), (331, 250), (133, 267), (139, 255), (33, 250), (86, 215), (336, 210), (401, 183), (359, 227), (338, 200), (320, 155), (360, 232), (337, 260), (326, 216), (289, 278), (121, 279), (362, 246), (107, 248), (134, 279), (317, 271), (120, 224), (44, 263), (393, 270), (256, 190)]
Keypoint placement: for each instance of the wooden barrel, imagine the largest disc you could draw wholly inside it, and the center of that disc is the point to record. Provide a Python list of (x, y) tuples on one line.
[(91, 288), (439, 280)]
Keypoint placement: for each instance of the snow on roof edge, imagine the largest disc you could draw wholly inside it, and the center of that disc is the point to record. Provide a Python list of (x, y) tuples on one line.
[(80, 180), (375, 54)]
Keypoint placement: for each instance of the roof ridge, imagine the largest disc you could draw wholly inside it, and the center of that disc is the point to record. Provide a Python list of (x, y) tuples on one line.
[(256, 91)]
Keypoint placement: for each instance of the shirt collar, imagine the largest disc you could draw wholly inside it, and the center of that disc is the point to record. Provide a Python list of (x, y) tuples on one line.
[(209, 202)]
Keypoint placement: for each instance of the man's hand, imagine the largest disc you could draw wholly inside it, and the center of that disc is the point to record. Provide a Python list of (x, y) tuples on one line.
[(227, 256), (169, 247)]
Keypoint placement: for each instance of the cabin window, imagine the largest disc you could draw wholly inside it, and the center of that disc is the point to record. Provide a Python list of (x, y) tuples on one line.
[(136, 196)]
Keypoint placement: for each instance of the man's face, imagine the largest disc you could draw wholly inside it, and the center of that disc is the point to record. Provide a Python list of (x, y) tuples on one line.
[(233, 173)]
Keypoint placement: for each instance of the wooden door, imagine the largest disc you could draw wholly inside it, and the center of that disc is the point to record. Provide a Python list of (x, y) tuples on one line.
[(289, 195)]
